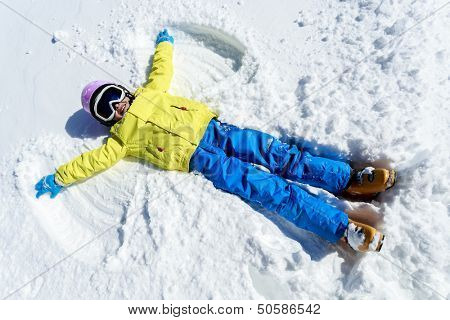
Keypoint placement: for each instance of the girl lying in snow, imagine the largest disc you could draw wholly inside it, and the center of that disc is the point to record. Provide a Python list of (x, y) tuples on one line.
[(175, 133)]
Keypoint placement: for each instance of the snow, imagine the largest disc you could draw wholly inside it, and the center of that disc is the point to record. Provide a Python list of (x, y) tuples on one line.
[(366, 81)]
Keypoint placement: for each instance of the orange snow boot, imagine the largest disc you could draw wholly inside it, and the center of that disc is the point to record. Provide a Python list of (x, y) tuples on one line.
[(362, 237), (368, 182)]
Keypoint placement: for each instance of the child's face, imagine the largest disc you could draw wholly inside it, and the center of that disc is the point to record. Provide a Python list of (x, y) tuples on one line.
[(121, 108)]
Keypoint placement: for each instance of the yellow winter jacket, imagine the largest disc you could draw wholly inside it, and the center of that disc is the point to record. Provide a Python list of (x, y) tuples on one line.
[(158, 127)]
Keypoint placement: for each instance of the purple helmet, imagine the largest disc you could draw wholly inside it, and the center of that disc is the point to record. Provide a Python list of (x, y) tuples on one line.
[(88, 92)]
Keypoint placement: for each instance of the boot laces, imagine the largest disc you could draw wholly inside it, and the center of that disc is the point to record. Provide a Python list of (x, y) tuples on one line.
[(366, 170)]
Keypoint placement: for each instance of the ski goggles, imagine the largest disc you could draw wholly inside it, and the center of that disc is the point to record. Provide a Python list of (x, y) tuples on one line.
[(106, 100)]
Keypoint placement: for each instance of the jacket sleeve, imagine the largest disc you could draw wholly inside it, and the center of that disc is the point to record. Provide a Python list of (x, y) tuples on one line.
[(91, 162), (162, 68)]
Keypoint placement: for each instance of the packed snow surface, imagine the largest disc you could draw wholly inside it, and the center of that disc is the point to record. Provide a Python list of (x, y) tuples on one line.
[(363, 81)]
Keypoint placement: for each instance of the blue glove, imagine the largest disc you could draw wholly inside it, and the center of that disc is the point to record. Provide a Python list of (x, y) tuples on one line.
[(47, 184), (164, 36)]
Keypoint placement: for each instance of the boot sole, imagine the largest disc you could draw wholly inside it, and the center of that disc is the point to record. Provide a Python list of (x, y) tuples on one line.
[(391, 180), (380, 244)]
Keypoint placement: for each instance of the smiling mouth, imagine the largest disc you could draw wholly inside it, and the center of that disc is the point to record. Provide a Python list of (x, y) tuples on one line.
[(121, 109)]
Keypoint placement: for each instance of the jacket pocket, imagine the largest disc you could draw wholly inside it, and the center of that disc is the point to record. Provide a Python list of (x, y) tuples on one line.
[(156, 151), (183, 108)]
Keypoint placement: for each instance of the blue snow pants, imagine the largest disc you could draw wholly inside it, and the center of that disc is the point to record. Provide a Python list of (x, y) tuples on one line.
[(226, 155)]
